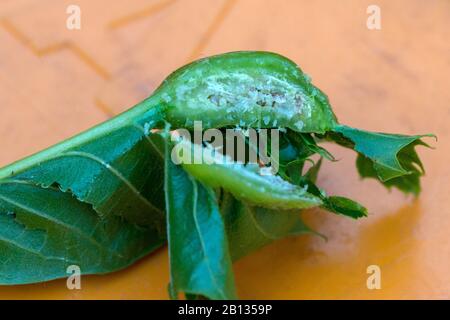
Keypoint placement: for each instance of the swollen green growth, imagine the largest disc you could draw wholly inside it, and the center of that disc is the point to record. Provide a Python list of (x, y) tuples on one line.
[(247, 89)]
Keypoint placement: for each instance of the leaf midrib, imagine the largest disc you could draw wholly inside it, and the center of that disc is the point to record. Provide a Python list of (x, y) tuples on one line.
[(63, 225), (202, 242), (115, 172)]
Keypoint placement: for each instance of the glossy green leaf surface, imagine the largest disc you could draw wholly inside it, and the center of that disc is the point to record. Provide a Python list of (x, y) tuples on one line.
[(335, 204), (108, 174), (250, 228), (408, 158), (198, 248), (95, 201), (390, 158), (43, 231)]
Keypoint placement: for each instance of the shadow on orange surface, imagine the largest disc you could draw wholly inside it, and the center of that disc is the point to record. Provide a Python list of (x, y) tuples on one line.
[(310, 268), (305, 267)]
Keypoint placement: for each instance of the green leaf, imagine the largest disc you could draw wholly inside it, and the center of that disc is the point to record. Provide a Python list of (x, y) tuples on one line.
[(250, 228), (308, 146), (335, 204), (409, 183), (119, 172), (344, 206), (293, 170), (200, 263), (43, 231), (313, 172), (390, 158), (95, 200)]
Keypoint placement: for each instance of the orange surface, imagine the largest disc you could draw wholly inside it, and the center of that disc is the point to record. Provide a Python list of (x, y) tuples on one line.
[(55, 82)]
